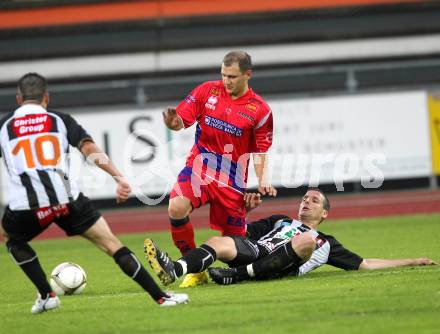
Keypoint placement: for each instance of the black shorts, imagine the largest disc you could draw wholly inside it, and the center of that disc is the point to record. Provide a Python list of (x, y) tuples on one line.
[(74, 218), (248, 251)]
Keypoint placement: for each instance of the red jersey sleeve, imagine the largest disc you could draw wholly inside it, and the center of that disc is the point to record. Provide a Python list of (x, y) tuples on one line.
[(190, 108), (263, 132)]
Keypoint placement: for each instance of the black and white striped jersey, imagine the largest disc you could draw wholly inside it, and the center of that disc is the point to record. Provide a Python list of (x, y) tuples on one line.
[(276, 230), (35, 146)]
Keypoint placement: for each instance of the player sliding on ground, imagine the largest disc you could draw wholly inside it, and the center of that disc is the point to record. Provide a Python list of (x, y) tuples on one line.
[(34, 144), (273, 247)]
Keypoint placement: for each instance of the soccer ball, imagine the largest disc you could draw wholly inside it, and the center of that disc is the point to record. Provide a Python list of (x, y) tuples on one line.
[(68, 278)]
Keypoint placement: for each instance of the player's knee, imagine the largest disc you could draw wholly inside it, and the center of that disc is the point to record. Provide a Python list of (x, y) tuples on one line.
[(223, 246), (127, 261), (176, 212), (20, 251), (215, 242), (304, 245), (179, 208)]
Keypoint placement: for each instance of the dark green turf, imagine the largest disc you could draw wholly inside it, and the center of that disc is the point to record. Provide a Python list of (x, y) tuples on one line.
[(403, 300)]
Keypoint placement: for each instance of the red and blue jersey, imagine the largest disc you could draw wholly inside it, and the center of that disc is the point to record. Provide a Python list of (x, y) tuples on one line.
[(227, 132)]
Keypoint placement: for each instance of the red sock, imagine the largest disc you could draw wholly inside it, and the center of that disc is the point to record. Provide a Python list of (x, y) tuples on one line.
[(183, 237)]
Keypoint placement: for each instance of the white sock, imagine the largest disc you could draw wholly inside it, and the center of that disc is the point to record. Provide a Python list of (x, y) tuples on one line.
[(250, 270), (184, 266)]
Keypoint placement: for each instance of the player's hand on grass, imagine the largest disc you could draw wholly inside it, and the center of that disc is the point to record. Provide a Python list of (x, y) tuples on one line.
[(123, 190), (252, 201), (267, 190), (424, 261), (171, 119)]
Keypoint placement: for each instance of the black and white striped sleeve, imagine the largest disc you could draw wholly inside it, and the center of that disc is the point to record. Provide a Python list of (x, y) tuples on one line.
[(76, 134)]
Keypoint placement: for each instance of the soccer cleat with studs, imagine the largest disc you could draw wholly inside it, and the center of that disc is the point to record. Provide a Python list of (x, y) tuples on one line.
[(194, 279), (224, 276), (160, 262), (173, 299), (41, 305)]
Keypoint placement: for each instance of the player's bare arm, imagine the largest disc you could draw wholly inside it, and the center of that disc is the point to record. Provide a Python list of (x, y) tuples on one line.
[(95, 154), (171, 119), (371, 264), (261, 163)]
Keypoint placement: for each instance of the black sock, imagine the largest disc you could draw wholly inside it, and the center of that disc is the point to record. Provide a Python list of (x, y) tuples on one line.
[(197, 260), (27, 259), (131, 266), (36, 274), (242, 272), (276, 261)]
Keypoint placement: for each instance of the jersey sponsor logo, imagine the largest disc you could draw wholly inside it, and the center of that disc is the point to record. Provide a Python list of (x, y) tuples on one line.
[(212, 101), (236, 221), (249, 118), (31, 124), (223, 126), (47, 215), (190, 99), (269, 136), (215, 91), (251, 107), (282, 232)]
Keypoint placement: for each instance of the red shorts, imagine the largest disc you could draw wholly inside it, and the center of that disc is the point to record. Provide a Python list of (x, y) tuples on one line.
[(227, 210)]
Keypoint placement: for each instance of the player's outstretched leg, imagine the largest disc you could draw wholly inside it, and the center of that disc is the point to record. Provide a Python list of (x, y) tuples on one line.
[(272, 264), (101, 235), (194, 262), (129, 264)]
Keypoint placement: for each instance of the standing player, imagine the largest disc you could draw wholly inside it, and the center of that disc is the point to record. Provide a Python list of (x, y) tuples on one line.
[(34, 145), (232, 122)]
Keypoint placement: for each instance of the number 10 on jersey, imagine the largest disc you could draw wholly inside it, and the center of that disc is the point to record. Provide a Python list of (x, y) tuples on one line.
[(45, 150)]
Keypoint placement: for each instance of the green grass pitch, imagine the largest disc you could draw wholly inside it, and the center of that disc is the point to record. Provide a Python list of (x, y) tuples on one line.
[(400, 300)]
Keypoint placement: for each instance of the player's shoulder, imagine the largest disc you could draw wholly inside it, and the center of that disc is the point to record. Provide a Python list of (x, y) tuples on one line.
[(65, 117), (257, 103), (212, 87), (57, 113), (281, 217), (213, 83), (331, 239)]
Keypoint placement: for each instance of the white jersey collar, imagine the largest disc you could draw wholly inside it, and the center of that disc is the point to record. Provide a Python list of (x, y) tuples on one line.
[(29, 108)]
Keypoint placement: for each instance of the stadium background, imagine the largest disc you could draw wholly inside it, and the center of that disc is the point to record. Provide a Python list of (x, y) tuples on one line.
[(343, 77)]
